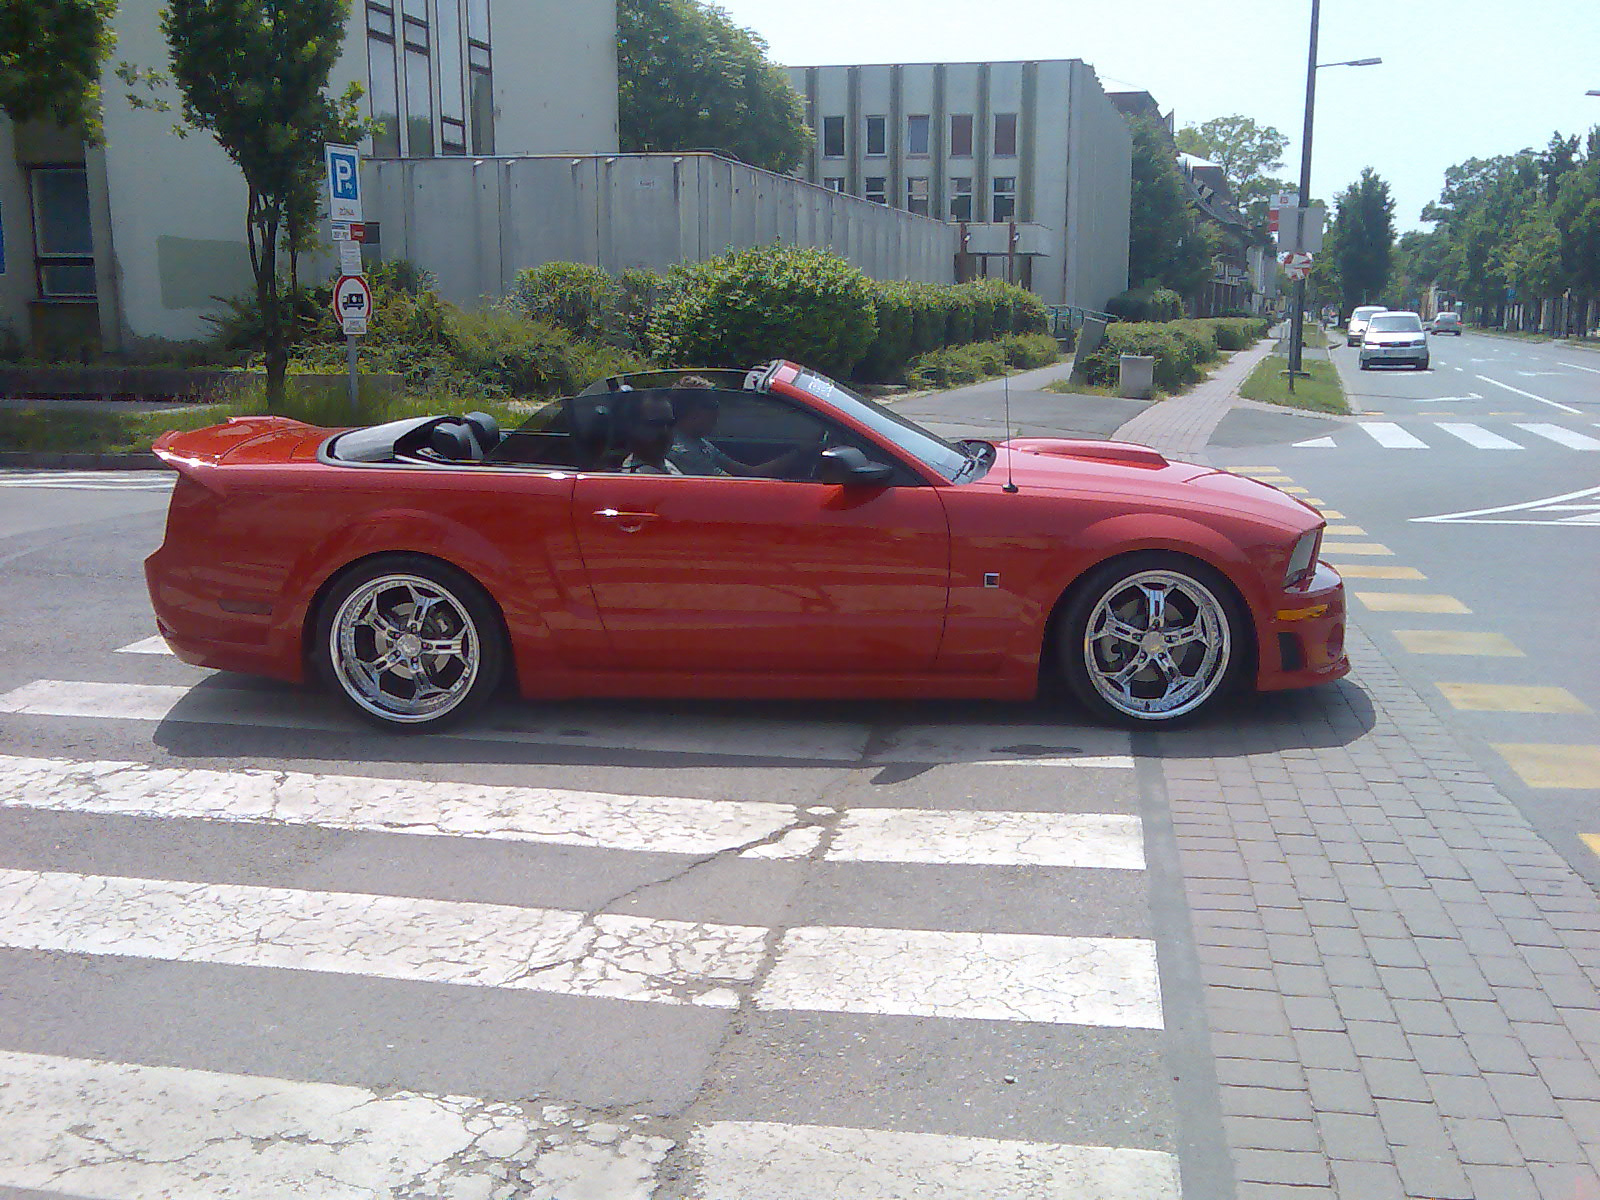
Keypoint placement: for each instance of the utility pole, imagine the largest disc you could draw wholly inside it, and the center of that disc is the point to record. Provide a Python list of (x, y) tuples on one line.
[(1297, 320)]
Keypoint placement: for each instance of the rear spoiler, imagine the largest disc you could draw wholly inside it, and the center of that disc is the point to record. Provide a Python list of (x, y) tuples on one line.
[(186, 450)]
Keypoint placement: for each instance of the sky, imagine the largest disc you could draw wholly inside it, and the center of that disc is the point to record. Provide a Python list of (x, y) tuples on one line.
[(1460, 79)]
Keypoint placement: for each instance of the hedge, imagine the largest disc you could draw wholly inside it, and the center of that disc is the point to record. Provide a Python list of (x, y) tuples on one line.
[(1146, 304), (915, 319), (956, 365), (1181, 348)]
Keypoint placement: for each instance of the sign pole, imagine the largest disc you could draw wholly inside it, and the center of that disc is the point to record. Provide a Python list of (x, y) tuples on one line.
[(1297, 321), (355, 380)]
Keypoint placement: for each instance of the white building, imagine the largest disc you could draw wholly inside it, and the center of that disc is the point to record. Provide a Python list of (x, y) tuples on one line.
[(137, 239), (1032, 155)]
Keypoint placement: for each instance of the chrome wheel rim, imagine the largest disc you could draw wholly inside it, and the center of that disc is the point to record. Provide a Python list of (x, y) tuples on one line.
[(1157, 645), (404, 648)]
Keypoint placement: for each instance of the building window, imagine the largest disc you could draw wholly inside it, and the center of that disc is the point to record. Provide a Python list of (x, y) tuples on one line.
[(961, 197), (419, 79), (877, 135), (834, 183), (1004, 206), (452, 96), (876, 191), (833, 137), (480, 76), (63, 238), (1005, 135), (917, 134), (961, 135), (385, 89), (917, 196)]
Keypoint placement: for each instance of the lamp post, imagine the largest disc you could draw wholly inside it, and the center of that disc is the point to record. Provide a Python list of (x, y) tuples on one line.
[(1296, 330)]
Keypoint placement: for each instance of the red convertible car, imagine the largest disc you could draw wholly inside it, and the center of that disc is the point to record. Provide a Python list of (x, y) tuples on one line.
[(731, 534)]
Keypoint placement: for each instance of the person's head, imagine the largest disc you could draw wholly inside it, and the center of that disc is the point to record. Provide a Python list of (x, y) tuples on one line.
[(694, 403), (651, 433)]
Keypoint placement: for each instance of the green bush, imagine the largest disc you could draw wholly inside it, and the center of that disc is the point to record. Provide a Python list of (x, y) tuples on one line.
[(1238, 333), (1179, 355), (915, 319), (634, 302), (776, 301), (957, 365), (1146, 304), (574, 296)]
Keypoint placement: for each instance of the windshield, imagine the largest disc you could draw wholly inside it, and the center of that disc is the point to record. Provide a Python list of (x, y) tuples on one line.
[(1447, 318), (1361, 314), (1396, 323), (947, 459)]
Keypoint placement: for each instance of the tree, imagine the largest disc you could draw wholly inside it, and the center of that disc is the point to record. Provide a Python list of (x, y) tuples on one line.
[(51, 52), (1166, 245), (1248, 154), (1419, 262), (1364, 239), (693, 80), (254, 73)]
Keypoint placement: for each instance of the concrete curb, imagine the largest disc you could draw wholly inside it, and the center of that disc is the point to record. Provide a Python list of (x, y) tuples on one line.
[(30, 460)]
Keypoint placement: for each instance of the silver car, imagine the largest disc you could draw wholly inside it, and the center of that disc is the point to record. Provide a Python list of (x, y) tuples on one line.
[(1358, 323), (1446, 322), (1397, 338)]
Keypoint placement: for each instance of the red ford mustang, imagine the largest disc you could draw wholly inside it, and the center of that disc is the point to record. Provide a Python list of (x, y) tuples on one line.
[(735, 534)]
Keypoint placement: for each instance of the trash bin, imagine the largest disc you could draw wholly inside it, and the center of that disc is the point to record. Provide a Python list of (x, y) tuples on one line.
[(1136, 376)]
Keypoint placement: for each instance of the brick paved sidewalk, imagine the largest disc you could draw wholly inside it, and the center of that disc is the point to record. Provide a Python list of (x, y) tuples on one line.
[(1400, 974), (1182, 426)]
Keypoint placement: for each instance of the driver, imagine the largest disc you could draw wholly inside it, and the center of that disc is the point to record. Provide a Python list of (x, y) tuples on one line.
[(695, 404), (650, 439)]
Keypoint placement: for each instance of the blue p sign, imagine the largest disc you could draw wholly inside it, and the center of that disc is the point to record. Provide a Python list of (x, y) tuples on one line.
[(344, 183)]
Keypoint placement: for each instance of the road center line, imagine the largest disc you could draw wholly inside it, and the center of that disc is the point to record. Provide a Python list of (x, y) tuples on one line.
[(1529, 395)]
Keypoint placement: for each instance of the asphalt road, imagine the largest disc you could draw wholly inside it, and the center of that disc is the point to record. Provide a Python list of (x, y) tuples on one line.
[(1480, 479)]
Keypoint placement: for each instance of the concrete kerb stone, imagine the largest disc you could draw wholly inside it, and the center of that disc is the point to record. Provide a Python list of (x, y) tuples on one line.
[(1447, 992)]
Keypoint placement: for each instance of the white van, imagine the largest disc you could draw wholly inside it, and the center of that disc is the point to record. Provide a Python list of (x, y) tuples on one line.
[(1357, 328)]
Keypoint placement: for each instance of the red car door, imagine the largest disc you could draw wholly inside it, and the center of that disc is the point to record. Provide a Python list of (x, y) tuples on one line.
[(739, 574)]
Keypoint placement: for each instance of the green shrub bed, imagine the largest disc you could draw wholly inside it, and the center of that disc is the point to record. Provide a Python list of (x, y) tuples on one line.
[(1181, 349), (957, 365)]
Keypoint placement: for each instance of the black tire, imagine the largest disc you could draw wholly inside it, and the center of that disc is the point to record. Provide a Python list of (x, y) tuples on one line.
[(1201, 597), (371, 615)]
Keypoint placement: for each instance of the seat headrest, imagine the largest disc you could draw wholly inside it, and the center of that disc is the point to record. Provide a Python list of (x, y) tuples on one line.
[(485, 428), (454, 442)]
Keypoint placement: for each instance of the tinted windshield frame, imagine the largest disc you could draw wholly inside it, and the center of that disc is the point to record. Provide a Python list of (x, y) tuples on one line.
[(928, 448), (1395, 323)]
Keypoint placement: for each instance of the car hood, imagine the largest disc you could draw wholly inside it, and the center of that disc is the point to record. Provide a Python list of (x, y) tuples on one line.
[(1075, 467)]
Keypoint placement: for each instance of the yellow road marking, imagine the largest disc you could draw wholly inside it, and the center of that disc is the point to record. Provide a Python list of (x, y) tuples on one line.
[(1344, 531), (1312, 500), (1296, 491), (1454, 641), (1255, 470), (1500, 697), (1545, 765), (1331, 548), (1592, 841), (1328, 514), (1417, 602), (1272, 479), (1379, 571)]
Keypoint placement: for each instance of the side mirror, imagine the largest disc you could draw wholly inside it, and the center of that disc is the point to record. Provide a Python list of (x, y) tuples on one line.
[(846, 465)]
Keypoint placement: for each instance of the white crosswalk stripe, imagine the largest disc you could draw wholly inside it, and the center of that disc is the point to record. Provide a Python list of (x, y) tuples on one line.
[(86, 1123), (1477, 435), (1563, 436), (1391, 437), (90, 481)]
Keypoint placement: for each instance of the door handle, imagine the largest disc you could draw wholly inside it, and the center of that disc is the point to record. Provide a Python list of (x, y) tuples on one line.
[(628, 522)]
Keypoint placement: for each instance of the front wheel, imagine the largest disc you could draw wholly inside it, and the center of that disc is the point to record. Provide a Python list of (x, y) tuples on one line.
[(1152, 638), (409, 643)]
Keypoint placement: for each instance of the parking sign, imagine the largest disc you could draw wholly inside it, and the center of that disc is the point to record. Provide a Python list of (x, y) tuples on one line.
[(344, 182)]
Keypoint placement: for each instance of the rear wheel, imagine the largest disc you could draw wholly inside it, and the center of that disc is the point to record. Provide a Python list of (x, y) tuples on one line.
[(1152, 638), (409, 643)]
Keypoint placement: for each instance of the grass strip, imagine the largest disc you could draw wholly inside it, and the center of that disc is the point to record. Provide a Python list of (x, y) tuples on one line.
[(1322, 392)]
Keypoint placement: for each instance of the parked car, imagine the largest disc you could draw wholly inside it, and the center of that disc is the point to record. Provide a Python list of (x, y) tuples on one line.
[(1397, 338), (842, 551), (1357, 327), (1446, 322)]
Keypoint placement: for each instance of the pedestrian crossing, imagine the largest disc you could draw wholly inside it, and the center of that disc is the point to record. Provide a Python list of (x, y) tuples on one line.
[(916, 923), (1435, 435), (89, 481)]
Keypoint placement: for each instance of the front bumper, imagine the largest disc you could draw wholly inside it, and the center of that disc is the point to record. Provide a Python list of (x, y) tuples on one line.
[(1303, 644), (1394, 354)]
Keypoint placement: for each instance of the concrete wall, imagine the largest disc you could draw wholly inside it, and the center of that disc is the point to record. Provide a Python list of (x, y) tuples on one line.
[(1099, 188), (476, 223)]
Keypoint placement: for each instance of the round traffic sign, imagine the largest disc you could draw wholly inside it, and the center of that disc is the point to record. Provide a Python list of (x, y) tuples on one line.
[(352, 298)]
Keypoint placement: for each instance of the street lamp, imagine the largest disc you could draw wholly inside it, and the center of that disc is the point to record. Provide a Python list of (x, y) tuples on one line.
[(1296, 332)]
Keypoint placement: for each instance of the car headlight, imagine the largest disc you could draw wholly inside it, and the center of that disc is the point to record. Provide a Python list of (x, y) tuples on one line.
[(1302, 560)]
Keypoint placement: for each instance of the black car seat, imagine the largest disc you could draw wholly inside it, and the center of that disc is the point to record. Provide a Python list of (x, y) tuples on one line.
[(485, 429), (453, 441)]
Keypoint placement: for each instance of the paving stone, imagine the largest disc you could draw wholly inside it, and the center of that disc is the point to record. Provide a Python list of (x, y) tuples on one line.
[(1253, 1072), (1495, 1053), (1254, 1044), (1368, 1180), (1281, 1167), (1377, 1039), (1395, 1079), (1265, 1102), (1521, 1095), (1394, 952), (1354, 1136), (1364, 1004), (1504, 1183), (1483, 1141), (1340, 1091), (1272, 1133), (1422, 1017), (1463, 1096), (1564, 1181), (1481, 1016), (1545, 1139), (1326, 1049), (1568, 1079), (1432, 1171), (1442, 1055), (1277, 1191), (1312, 1012), (1412, 1123), (1409, 983), (1294, 980)]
